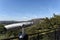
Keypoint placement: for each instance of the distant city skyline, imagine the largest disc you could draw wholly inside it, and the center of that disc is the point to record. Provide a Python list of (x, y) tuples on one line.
[(21, 10)]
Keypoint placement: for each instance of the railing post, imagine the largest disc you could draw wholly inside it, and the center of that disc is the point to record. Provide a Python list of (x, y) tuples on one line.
[(38, 36)]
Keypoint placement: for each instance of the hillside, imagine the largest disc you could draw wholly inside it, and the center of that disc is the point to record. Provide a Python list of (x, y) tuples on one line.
[(45, 26)]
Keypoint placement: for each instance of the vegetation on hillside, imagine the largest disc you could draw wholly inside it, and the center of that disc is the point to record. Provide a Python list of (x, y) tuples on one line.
[(44, 26)]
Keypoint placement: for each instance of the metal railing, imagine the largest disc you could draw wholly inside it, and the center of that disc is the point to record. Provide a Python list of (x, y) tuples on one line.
[(38, 36)]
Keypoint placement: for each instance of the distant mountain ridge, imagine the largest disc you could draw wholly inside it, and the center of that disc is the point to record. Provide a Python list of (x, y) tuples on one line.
[(32, 20), (10, 22)]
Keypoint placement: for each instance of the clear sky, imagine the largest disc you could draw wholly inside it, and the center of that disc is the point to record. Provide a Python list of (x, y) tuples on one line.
[(28, 9)]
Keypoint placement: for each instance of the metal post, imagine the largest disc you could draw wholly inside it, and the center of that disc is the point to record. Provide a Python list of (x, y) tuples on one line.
[(38, 36), (23, 30), (55, 34)]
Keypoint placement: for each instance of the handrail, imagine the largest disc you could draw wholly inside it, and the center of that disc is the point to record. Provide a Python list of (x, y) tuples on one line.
[(28, 35)]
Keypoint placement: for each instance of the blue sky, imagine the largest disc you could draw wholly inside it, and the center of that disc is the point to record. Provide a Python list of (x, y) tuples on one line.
[(28, 9)]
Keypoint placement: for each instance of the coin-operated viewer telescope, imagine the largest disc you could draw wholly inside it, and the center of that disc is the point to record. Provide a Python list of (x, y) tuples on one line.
[(22, 36)]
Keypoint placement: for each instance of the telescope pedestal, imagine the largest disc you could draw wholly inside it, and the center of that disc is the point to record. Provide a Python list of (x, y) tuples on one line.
[(23, 31), (23, 35)]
